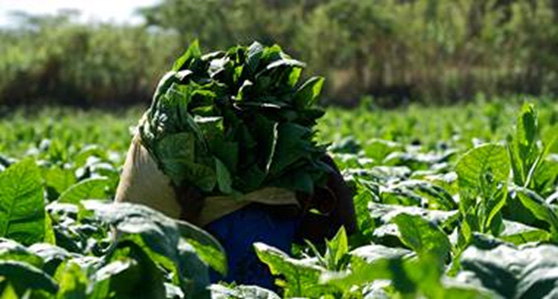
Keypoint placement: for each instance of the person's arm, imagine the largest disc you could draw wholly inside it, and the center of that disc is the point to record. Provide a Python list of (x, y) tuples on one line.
[(316, 227)]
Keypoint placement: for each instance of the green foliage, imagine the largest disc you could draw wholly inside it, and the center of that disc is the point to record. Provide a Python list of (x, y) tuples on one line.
[(432, 51), (22, 205), (483, 173), (513, 272), (88, 188), (300, 276), (539, 208), (239, 292), (56, 59), (528, 152), (423, 237), (99, 249), (248, 99), (440, 213)]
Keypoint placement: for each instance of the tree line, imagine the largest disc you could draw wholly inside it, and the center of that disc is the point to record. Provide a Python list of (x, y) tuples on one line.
[(396, 51)]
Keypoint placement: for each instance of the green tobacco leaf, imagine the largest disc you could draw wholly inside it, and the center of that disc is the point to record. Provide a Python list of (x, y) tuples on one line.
[(207, 247), (176, 153), (192, 52), (447, 181), (93, 188), (202, 176), (307, 94), (240, 292), (9, 292), (255, 52), (473, 165), (290, 147), (530, 272), (50, 237), (422, 236), (52, 256), (166, 81), (299, 181), (161, 236), (224, 180), (365, 222), (522, 145), (545, 177), (283, 62), (517, 233), (301, 276), (408, 277), (22, 208), (527, 132), (266, 135), (379, 149), (23, 277), (372, 253), (211, 127), (227, 152), (240, 107), (72, 281), (13, 251), (418, 191), (337, 249), (192, 268), (459, 290), (383, 214), (59, 179), (180, 147), (131, 273), (362, 272), (538, 206), (483, 177)]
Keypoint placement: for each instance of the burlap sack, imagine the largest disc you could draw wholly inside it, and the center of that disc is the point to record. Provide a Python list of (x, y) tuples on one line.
[(142, 182)]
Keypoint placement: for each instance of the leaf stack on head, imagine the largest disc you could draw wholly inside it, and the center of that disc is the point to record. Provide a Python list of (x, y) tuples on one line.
[(237, 121)]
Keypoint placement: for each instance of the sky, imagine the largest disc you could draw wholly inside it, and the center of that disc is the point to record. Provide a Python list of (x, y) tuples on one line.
[(119, 11)]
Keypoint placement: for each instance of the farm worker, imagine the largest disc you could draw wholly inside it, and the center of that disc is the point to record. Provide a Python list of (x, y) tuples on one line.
[(271, 215), (223, 132)]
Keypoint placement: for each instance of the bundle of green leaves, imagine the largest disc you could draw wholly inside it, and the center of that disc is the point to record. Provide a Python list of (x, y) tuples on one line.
[(236, 121)]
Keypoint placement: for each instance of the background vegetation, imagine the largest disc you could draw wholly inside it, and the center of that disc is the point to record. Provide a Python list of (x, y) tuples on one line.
[(430, 51), (451, 202)]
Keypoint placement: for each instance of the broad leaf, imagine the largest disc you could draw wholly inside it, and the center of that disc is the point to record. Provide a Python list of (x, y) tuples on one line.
[(192, 52), (517, 233), (306, 95), (224, 180), (530, 272), (337, 250), (23, 277), (300, 276), (86, 189), (22, 208), (488, 158), (240, 292), (538, 206), (422, 236), (72, 281)]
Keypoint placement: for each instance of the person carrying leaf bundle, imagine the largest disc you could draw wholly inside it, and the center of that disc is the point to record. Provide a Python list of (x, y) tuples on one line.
[(227, 144)]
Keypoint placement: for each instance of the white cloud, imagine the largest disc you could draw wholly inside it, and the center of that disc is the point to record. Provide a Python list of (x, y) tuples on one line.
[(100, 10)]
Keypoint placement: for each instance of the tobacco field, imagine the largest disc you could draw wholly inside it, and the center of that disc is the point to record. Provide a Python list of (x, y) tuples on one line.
[(452, 202)]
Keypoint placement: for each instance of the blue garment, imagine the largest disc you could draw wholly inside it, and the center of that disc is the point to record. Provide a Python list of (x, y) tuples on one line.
[(238, 231)]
